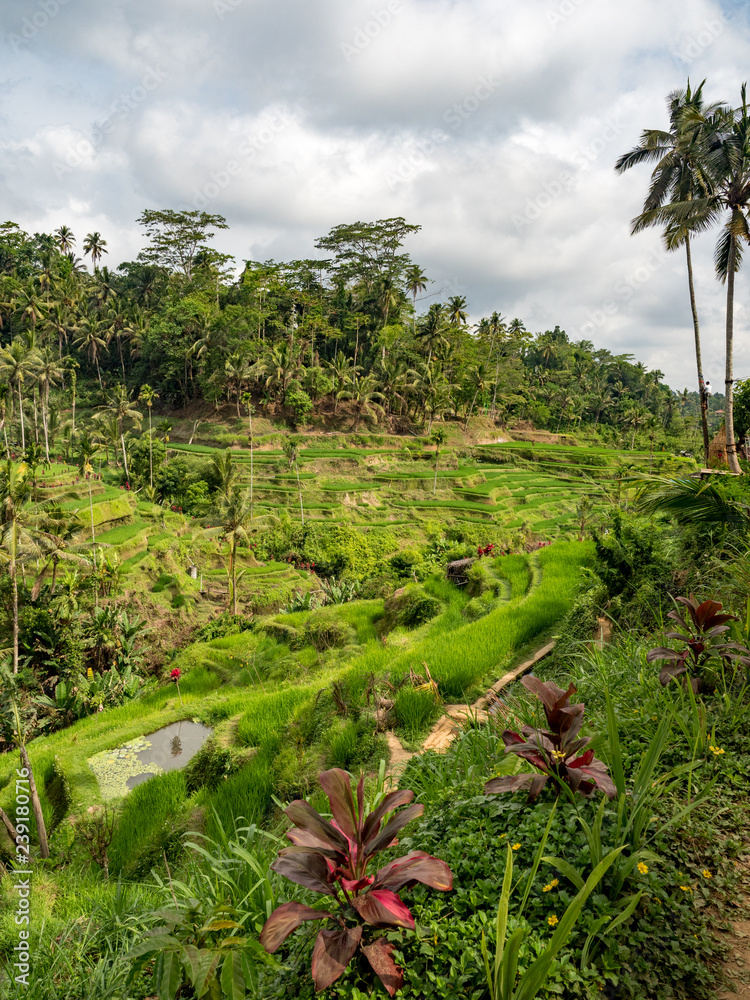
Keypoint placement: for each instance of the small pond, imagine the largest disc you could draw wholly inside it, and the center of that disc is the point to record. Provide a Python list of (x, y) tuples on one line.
[(167, 749)]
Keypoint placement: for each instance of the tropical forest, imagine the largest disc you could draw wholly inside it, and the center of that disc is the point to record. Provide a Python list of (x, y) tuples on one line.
[(354, 645)]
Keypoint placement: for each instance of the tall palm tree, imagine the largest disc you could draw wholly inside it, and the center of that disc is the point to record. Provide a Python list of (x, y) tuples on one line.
[(65, 239), (364, 396), (122, 408), (147, 395), (679, 175), (16, 364), (431, 330), (416, 282), (437, 437), (91, 339), (23, 533), (725, 140), (236, 517), (95, 246), (48, 372), (456, 313), (225, 471)]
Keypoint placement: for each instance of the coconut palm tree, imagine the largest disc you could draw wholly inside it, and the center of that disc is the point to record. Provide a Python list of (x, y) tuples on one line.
[(48, 372), (123, 408), (416, 281), (23, 532), (16, 365), (456, 313), (432, 329), (91, 340), (95, 246), (437, 437), (725, 139), (679, 175), (235, 511), (225, 471), (364, 396), (65, 239), (147, 395)]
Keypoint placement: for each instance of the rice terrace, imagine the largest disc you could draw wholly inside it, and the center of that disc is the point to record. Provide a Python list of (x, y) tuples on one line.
[(362, 647)]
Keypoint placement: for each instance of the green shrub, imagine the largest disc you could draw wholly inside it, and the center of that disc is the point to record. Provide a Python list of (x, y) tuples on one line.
[(209, 767), (478, 607), (323, 630), (285, 634), (165, 580), (481, 580), (409, 607), (406, 562), (224, 624)]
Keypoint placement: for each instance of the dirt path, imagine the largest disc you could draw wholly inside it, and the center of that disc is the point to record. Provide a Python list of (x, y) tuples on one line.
[(447, 727)]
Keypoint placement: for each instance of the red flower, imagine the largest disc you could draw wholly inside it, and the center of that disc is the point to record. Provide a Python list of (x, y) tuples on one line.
[(176, 674)]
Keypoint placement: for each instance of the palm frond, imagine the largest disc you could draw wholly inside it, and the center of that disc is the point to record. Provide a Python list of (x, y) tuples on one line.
[(689, 500)]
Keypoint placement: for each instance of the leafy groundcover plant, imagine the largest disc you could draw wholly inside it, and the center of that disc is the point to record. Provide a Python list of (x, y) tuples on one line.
[(554, 751), (703, 643), (333, 859)]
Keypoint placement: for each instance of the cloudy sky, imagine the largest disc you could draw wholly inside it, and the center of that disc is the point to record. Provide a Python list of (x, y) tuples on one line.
[(493, 124)]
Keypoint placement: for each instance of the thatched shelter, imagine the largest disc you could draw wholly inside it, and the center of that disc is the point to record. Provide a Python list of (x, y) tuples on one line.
[(456, 571), (717, 450)]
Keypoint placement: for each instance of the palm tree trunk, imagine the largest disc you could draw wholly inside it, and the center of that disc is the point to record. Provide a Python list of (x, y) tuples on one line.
[(734, 465), (99, 374), (14, 582), (13, 833), (434, 485), (20, 408), (44, 426), (698, 359), (299, 487), (36, 417), (150, 451), (124, 457), (234, 573), (41, 829), (250, 418)]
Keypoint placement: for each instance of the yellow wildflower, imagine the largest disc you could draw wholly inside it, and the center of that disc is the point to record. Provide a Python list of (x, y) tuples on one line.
[(550, 885), (706, 873), (686, 888), (717, 751), (642, 868), (553, 921), (516, 847)]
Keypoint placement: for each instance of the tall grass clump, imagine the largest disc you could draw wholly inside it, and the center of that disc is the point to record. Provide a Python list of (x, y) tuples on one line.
[(415, 711), (242, 800), (149, 824), (268, 717)]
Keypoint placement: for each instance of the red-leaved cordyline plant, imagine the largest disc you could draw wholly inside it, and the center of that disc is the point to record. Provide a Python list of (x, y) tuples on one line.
[(333, 859), (554, 751), (701, 642)]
